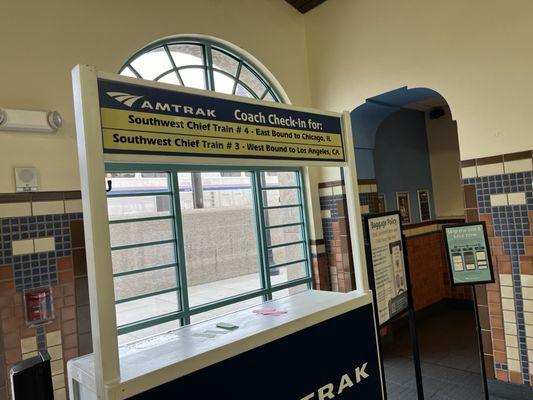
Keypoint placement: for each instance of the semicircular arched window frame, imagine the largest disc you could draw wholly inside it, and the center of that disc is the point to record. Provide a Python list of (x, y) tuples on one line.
[(200, 64)]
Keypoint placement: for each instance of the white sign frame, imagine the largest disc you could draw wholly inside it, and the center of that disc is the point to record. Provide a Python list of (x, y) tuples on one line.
[(98, 248)]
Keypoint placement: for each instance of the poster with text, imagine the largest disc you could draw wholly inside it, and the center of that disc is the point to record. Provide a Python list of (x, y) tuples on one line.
[(402, 201), (423, 205), (387, 264), (468, 251)]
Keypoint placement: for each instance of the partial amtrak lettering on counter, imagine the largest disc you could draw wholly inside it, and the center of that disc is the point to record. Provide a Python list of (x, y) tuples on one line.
[(130, 99), (330, 390)]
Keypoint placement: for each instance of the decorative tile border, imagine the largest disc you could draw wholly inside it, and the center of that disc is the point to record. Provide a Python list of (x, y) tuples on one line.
[(498, 190)]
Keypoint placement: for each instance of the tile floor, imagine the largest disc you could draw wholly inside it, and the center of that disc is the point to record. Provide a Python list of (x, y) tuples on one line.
[(449, 356)]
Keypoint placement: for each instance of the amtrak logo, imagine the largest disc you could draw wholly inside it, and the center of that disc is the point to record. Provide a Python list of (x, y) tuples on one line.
[(124, 98)]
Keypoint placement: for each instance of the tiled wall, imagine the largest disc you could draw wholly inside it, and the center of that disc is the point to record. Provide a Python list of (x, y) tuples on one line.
[(498, 190), (42, 244), (338, 261)]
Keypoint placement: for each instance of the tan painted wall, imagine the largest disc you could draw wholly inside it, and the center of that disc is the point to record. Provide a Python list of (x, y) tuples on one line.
[(42, 41), (443, 149), (475, 53)]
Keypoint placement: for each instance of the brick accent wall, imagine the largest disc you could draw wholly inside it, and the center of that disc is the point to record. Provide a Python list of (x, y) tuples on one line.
[(42, 244), (498, 190)]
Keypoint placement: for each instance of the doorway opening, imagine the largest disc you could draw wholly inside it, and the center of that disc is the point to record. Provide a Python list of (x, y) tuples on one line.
[(407, 155)]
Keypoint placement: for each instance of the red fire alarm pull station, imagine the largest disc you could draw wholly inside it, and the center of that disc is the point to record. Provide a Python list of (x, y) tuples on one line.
[(38, 305)]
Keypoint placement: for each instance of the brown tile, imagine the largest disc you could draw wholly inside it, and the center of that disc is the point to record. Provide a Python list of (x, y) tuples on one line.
[(470, 196), (471, 216), (502, 375), (80, 262), (489, 160), (498, 334), (522, 155), (489, 366), (500, 357), (65, 276), (484, 319), (515, 377), (70, 341), (498, 345), (69, 327), (85, 344), (82, 291), (46, 196), (468, 163), (481, 293), (68, 313), (77, 234), (15, 197), (72, 194), (84, 319), (64, 263), (487, 342), (6, 272), (12, 356)]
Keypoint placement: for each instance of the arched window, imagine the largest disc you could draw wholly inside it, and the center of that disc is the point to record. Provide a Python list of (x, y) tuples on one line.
[(201, 64)]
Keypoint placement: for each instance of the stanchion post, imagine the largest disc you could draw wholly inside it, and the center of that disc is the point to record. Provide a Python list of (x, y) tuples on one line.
[(412, 324), (480, 345)]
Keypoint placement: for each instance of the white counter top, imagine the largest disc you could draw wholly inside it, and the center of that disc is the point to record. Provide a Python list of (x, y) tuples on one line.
[(164, 357)]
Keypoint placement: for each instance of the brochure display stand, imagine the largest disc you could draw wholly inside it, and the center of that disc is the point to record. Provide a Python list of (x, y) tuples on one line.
[(127, 120), (388, 274), (470, 263)]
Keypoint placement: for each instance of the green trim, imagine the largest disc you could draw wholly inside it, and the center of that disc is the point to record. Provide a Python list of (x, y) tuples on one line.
[(275, 246), (124, 221), (284, 225), (279, 187), (145, 295), (284, 206), (288, 263), (207, 47), (141, 270), (111, 195), (144, 244)]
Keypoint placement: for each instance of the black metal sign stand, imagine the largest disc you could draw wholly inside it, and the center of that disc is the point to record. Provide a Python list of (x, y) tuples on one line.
[(410, 307), (480, 346)]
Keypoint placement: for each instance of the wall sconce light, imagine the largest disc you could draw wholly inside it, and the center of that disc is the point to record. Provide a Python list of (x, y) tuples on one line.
[(29, 121)]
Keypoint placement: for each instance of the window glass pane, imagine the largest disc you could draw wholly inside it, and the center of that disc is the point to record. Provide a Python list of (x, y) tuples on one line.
[(292, 290), (144, 283), (187, 54), (285, 234), (241, 91), (280, 197), (252, 81), (149, 307), (223, 83), (279, 216), (285, 254), (150, 65), (226, 309), (269, 97), (121, 208), (220, 239), (224, 62), (279, 178), (193, 77), (143, 257), (288, 273), (153, 330), (131, 182), (171, 78), (128, 72), (131, 233)]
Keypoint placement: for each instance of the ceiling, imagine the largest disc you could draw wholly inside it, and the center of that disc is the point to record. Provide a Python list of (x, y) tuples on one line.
[(305, 5)]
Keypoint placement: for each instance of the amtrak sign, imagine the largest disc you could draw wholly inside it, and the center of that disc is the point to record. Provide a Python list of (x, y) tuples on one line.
[(292, 368)]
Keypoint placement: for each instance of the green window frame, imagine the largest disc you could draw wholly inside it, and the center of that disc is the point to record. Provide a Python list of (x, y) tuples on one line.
[(243, 73), (267, 290)]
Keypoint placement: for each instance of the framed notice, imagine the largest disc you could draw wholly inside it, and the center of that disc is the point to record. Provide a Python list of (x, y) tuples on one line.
[(382, 204), (402, 201), (468, 253), (423, 205), (387, 272)]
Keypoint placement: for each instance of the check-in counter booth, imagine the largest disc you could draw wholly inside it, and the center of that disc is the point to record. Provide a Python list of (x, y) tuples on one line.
[(305, 345)]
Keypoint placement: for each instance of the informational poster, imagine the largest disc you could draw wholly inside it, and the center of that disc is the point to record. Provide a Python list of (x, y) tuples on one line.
[(423, 205), (402, 200), (387, 264), (468, 251), (382, 204), (139, 119)]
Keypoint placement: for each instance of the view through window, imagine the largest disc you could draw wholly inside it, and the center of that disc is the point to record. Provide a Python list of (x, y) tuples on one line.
[(188, 245)]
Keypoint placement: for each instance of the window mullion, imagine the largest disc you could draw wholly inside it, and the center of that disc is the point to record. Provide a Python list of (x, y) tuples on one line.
[(210, 79), (167, 50), (237, 75), (261, 234), (183, 292)]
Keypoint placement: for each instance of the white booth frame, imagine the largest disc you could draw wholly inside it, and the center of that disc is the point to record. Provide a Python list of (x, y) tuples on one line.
[(98, 248)]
